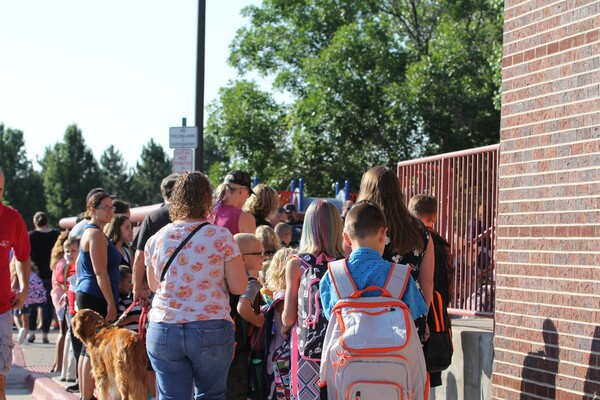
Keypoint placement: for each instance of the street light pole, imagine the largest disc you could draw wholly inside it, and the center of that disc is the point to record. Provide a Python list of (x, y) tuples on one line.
[(199, 153)]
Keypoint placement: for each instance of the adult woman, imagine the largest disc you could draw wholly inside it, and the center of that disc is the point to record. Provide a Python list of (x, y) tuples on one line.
[(120, 232), (321, 241), (230, 197), (97, 275), (263, 204), (407, 239), (190, 335)]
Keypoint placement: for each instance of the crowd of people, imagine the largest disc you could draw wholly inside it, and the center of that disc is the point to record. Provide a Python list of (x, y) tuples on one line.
[(226, 277)]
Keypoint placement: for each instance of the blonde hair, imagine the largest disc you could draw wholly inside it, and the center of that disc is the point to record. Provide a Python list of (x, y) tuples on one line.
[(269, 239), (244, 239), (264, 203), (275, 276), (322, 230), (58, 251), (222, 193)]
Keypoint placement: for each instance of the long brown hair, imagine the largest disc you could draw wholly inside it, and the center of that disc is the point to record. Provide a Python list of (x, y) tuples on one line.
[(113, 230), (380, 185)]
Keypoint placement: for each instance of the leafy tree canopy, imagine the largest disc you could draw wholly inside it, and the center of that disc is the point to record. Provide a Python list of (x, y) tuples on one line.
[(113, 170), (153, 166), (70, 171), (22, 183), (248, 127), (369, 82)]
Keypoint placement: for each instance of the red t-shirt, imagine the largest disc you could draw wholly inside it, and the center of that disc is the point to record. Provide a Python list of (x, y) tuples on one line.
[(13, 235)]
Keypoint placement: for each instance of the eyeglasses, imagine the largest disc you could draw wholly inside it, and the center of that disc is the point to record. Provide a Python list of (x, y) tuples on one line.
[(106, 208), (254, 254)]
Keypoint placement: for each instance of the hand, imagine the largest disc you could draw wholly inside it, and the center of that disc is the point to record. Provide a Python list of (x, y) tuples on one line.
[(19, 300), (111, 313), (427, 333), (140, 296), (285, 331), (63, 300)]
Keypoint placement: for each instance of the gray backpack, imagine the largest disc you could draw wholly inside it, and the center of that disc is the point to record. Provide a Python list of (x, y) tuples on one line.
[(371, 349)]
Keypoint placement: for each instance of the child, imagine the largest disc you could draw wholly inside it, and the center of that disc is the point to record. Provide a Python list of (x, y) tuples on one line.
[(244, 314), (320, 242), (36, 297), (131, 321), (63, 275), (275, 282), (284, 231), (364, 230), (270, 243)]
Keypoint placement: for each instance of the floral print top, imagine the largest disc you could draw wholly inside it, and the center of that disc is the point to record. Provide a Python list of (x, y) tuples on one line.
[(412, 258), (194, 288)]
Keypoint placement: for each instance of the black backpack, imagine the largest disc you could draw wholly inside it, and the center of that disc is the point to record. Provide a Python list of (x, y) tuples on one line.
[(260, 383), (312, 323), (439, 348)]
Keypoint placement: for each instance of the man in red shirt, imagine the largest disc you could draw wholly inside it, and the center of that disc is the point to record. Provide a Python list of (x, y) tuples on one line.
[(13, 235)]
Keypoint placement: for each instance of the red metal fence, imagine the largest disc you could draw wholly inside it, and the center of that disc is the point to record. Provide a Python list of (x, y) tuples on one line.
[(465, 184)]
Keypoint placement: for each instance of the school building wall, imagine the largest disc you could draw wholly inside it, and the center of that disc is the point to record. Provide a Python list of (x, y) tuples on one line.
[(547, 317)]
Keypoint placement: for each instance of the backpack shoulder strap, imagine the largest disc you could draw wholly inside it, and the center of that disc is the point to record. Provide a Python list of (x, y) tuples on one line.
[(397, 280), (342, 281)]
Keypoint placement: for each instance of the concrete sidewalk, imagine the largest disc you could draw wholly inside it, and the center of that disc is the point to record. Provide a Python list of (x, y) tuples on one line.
[(30, 376), (469, 376)]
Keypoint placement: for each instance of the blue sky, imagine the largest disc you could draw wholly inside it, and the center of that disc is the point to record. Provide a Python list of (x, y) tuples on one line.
[(123, 71)]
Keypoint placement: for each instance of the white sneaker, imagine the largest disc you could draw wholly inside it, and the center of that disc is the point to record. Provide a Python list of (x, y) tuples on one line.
[(22, 335)]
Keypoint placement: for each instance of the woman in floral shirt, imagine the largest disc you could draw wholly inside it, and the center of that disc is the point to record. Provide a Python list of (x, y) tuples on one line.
[(190, 336)]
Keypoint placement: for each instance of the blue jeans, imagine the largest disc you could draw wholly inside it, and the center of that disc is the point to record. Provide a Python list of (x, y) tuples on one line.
[(195, 354)]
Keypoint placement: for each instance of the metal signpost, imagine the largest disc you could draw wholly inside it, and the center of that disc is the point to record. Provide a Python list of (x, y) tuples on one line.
[(184, 139)]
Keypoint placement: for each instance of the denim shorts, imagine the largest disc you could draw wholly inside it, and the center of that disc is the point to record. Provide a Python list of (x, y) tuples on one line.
[(195, 355), (6, 342)]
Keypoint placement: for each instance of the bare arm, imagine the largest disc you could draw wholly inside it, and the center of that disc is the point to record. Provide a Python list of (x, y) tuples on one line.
[(292, 281), (247, 223), (139, 294), (235, 275), (426, 273), (246, 311), (152, 279), (22, 268), (97, 245)]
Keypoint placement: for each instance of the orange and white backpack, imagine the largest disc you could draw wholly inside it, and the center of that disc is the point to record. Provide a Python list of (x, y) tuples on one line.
[(371, 349)]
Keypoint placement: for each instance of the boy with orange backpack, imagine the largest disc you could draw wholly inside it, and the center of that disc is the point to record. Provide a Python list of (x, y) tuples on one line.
[(371, 349)]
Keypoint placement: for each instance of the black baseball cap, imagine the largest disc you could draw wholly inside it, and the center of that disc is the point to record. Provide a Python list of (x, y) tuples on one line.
[(239, 178)]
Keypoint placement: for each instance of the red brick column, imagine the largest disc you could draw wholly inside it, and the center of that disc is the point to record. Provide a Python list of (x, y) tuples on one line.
[(547, 332)]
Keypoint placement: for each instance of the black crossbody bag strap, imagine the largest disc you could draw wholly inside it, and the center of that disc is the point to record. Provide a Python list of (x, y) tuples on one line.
[(187, 239)]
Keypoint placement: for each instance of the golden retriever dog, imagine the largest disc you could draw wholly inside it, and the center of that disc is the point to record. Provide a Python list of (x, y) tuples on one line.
[(117, 355)]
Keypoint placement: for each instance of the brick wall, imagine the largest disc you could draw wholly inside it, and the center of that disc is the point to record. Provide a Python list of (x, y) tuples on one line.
[(547, 333)]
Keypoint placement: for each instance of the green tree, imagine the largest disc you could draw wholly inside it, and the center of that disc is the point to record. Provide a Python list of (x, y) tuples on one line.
[(113, 169), (247, 127), (376, 82), (22, 183), (154, 165), (70, 171), (453, 87)]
